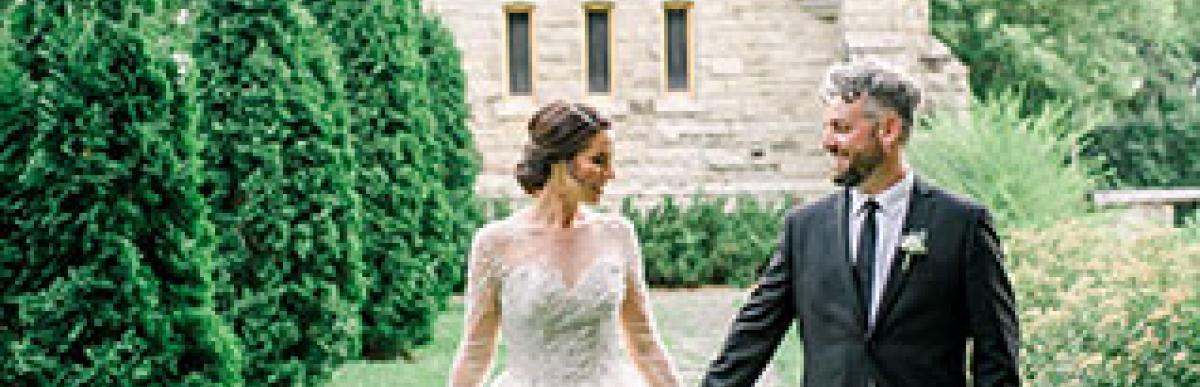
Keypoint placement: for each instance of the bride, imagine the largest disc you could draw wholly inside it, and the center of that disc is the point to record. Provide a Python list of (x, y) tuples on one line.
[(563, 284)]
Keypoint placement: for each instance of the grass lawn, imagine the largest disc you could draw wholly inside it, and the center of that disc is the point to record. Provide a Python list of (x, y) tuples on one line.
[(432, 362), (789, 360), (1098, 304)]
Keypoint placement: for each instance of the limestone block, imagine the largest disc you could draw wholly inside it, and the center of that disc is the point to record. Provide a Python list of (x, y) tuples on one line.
[(751, 124), (857, 39), (861, 6), (677, 103)]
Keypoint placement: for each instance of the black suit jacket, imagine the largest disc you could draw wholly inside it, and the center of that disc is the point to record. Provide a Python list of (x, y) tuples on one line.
[(957, 291)]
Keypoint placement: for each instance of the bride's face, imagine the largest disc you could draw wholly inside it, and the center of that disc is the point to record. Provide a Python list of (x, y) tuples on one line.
[(592, 167)]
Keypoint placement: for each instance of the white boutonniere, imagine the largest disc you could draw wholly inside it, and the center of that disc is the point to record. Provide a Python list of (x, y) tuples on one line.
[(913, 246)]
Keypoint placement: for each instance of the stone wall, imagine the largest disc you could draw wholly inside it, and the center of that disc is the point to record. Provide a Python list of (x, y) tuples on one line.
[(751, 123)]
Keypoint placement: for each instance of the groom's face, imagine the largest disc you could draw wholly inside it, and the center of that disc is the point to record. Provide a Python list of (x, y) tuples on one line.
[(849, 135)]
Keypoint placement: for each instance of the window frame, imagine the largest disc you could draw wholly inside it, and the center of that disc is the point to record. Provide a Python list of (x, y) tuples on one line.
[(689, 20), (506, 43), (605, 7)]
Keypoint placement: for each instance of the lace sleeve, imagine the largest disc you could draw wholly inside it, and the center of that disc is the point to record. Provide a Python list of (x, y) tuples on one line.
[(637, 319), (473, 362)]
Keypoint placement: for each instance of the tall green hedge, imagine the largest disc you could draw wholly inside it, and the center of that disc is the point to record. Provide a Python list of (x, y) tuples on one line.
[(105, 242), (402, 164), (281, 175), (448, 87), (455, 212)]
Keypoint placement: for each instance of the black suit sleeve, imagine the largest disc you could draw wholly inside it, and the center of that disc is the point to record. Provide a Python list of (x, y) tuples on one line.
[(760, 324), (991, 308)]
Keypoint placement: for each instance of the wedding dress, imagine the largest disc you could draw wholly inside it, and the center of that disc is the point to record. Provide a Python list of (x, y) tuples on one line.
[(570, 304)]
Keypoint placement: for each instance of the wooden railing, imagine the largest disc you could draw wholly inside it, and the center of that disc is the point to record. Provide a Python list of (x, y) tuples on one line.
[(1170, 205)]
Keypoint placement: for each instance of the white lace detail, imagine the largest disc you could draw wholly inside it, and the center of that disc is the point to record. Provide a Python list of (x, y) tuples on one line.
[(559, 335), (588, 328)]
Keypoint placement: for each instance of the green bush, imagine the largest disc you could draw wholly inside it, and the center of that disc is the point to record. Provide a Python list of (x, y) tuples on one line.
[(415, 185), (453, 211), (1191, 226), (448, 88), (389, 107), (1155, 149), (708, 241), (281, 182), (1018, 167), (1104, 306), (105, 242)]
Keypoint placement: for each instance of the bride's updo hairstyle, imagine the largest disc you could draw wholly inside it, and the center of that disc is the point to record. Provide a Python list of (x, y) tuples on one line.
[(557, 132)]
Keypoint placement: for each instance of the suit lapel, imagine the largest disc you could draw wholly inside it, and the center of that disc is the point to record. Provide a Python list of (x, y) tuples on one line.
[(840, 232), (920, 209)]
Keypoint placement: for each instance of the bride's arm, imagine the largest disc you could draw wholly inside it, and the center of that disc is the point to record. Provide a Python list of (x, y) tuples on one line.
[(637, 320), (473, 361)]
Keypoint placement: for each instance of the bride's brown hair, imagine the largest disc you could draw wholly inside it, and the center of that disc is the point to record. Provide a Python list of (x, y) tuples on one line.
[(557, 132)]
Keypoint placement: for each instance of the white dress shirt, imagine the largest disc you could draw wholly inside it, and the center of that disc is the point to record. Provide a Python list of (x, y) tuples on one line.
[(889, 220)]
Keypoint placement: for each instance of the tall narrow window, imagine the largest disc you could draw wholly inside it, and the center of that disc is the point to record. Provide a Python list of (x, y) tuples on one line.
[(520, 55), (599, 72), (678, 46)]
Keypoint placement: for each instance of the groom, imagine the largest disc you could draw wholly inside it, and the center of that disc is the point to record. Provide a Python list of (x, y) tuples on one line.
[(887, 279)]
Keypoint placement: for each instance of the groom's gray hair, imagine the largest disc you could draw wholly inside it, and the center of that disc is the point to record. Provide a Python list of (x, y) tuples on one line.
[(884, 85)]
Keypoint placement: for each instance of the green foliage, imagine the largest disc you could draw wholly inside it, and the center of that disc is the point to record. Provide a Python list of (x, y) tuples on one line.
[(447, 85), (1018, 167), (105, 242), (281, 182), (417, 204), (1191, 226), (1134, 67), (1101, 306), (706, 241), (1153, 149), (454, 212), (1115, 53)]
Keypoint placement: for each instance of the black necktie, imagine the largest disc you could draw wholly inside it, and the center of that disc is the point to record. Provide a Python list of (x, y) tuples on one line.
[(866, 253)]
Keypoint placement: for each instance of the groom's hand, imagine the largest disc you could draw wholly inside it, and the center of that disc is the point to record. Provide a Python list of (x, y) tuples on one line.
[(760, 325)]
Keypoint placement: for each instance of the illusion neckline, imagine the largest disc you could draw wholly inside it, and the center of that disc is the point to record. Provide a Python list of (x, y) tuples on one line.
[(584, 220), (558, 276)]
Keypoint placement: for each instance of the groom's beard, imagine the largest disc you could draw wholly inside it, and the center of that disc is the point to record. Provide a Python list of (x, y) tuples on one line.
[(860, 166)]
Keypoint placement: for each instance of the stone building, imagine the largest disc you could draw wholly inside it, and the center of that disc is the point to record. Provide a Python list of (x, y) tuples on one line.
[(707, 96)]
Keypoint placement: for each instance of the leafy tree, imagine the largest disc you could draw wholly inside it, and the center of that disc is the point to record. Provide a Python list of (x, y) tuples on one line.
[(402, 158), (105, 242), (281, 175), (1133, 66), (456, 164), (1117, 54)]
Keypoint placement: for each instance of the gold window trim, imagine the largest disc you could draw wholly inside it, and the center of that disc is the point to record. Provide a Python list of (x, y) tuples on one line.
[(690, 44), (606, 7), (528, 8)]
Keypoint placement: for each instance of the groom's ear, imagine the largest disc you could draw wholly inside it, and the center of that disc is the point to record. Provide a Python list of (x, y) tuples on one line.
[(892, 130)]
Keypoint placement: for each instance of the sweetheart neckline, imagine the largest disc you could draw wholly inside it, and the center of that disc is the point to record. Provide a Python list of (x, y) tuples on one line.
[(558, 274)]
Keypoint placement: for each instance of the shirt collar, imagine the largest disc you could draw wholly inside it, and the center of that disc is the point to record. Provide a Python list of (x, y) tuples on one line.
[(890, 200)]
